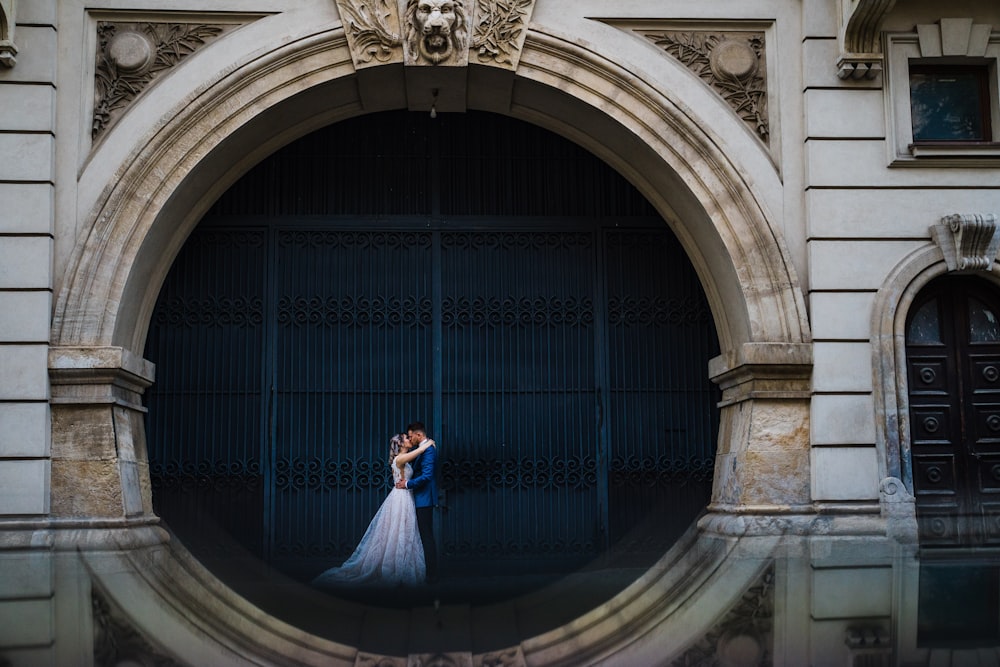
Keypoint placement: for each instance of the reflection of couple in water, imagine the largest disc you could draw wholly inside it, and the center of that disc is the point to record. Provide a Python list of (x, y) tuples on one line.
[(398, 547)]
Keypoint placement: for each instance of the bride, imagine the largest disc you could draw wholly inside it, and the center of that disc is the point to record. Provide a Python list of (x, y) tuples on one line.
[(390, 552)]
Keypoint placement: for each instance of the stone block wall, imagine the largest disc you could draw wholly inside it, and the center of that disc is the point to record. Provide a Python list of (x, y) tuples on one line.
[(27, 159)]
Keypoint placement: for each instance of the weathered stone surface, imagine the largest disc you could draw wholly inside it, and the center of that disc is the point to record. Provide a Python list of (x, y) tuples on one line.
[(86, 488), (83, 433)]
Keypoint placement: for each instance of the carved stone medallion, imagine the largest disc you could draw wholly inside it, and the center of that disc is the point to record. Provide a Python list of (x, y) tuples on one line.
[(731, 63), (131, 55), (743, 636)]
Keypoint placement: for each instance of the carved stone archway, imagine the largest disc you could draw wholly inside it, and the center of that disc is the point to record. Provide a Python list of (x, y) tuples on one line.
[(963, 243), (143, 194)]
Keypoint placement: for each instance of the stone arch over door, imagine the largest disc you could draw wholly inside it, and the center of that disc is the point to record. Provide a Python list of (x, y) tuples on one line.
[(892, 306), (148, 183)]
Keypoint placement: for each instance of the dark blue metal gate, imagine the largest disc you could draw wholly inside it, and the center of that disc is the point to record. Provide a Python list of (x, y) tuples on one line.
[(560, 360)]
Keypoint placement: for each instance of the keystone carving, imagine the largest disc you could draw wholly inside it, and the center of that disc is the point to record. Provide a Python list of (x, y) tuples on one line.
[(731, 63), (860, 44), (8, 50), (436, 32), (969, 242), (131, 55)]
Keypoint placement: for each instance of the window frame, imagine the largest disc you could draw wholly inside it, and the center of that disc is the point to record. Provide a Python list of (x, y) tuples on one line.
[(982, 74), (903, 52)]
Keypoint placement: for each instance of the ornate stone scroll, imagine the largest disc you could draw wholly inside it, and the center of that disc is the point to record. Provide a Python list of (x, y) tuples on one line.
[(436, 32), (969, 242), (731, 63), (860, 38), (372, 30), (131, 55), (8, 51)]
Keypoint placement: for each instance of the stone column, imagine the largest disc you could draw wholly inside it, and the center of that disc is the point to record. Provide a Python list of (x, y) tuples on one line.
[(100, 471), (762, 465)]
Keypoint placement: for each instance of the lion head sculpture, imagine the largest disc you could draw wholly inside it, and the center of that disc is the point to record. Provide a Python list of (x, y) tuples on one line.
[(436, 30)]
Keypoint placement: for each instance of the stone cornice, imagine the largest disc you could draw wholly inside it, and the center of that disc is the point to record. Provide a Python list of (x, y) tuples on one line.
[(98, 375), (860, 45), (8, 50), (763, 370)]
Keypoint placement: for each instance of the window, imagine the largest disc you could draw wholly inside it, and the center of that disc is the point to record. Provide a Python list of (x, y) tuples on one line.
[(949, 103), (942, 88)]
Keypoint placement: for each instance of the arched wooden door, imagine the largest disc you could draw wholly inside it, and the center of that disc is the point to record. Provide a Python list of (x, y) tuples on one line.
[(473, 272), (953, 374)]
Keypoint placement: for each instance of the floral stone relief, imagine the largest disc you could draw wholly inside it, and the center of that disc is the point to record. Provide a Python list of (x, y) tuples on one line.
[(131, 55), (731, 63)]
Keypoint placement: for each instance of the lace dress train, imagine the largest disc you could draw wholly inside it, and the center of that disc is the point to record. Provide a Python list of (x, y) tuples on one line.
[(390, 553)]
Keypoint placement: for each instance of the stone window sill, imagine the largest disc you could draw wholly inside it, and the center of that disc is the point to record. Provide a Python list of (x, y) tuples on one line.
[(951, 154)]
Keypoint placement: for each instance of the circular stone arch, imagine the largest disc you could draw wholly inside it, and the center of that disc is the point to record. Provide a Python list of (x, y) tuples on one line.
[(149, 192), (149, 183)]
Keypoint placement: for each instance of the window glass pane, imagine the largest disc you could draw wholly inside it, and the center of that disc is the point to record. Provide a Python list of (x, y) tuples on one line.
[(983, 324), (947, 104), (925, 327)]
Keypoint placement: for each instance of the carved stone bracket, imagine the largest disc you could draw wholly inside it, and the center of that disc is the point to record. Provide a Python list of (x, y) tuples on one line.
[(131, 55), (744, 635), (860, 45), (436, 32), (969, 242), (731, 63), (8, 50), (869, 646)]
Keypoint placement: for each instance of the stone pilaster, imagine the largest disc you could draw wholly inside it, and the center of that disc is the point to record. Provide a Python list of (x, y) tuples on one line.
[(762, 466), (99, 462)]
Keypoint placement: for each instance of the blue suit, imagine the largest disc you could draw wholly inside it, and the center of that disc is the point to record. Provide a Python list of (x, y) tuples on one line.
[(423, 483), (424, 480)]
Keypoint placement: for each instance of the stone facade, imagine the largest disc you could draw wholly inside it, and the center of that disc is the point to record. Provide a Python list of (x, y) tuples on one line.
[(770, 134)]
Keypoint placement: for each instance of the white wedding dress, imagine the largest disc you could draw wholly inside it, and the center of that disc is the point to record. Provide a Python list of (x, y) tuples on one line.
[(390, 553)]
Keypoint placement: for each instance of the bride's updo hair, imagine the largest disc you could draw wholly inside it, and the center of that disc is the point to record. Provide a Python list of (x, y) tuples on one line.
[(396, 446)]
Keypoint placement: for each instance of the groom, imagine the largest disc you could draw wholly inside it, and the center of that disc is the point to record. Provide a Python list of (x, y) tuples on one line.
[(424, 486)]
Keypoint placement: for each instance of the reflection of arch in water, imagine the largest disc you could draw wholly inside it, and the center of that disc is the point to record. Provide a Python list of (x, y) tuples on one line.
[(147, 185)]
